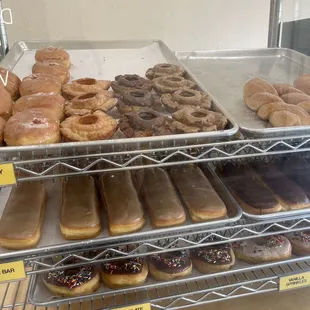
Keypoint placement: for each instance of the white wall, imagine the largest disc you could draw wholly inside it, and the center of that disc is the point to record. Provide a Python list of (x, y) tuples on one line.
[(182, 24), (295, 9)]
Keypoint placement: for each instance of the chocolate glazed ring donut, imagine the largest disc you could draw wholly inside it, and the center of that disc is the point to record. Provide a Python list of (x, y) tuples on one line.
[(164, 69), (137, 99), (171, 83), (185, 97), (127, 82)]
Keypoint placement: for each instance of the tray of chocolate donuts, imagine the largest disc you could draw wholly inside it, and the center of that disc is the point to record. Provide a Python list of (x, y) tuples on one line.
[(267, 91), (111, 207), (103, 93), (266, 190), (158, 270)]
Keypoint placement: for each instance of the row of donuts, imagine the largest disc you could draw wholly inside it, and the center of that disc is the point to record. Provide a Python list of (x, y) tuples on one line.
[(174, 265)]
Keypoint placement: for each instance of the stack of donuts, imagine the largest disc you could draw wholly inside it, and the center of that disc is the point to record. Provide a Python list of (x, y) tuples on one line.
[(282, 105)]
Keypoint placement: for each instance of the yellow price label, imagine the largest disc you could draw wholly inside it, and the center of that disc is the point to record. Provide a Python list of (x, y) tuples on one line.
[(294, 281), (146, 306), (7, 174), (12, 271)]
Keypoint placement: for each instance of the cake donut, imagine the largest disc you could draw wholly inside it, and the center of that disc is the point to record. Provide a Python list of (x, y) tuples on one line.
[(5, 104), (40, 83), (185, 97), (12, 82), (85, 85), (90, 102), (170, 265), (89, 127), (213, 258), (164, 69), (52, 68), (128, 82), (2, 125), (124, 272), (32, 127), (72, 282), (53, 54), (262, 250), (171, 83), (300, 242)]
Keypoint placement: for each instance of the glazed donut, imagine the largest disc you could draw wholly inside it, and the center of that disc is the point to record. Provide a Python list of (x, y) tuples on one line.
[(83, 86), (170, 265), (90, 127), (124, 273), (32, 127), (73, 281), (171, 83), (2, 125), (13, 82), (164, 69), (126, 82), (300, 242), (52, 68), (90, 102), (143, 123), (283, 89), (138, 99), (302, 83), (262, 250), (213, 258), (5, 104), (55, 103), (53, 54), (40, 83), (185, 97)]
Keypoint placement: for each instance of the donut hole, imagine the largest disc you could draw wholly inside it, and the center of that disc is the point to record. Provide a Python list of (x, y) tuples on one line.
[(199, 114), (137, 94), (131, 78), (146, 116), (87, 96), (88, 81), (88, 120), (174, 79), (186, 94)]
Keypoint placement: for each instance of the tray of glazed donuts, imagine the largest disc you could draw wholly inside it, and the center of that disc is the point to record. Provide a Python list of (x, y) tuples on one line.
[(266, 190), (111, 207), (267, 91), (104, 93), (157, 270)]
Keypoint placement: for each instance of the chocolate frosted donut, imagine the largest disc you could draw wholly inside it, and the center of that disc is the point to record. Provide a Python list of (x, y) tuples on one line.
[(164, 69), (185, 97), (171, 83), (137, 99), (127, 82)]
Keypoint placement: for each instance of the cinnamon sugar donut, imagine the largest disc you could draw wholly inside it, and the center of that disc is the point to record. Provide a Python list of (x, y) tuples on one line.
[(12, 82), (2, 125), (31, 127), (5, 104), (171, 83), (52, 68), (53, 54), (164, 69), (83, 86), (90, 102), (90, 127), (40, 83), (128, 82), (185, 97)]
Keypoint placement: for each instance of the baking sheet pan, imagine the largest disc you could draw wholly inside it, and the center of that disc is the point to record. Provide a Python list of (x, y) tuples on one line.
[(105, 60), (225, 72), (52, 240)]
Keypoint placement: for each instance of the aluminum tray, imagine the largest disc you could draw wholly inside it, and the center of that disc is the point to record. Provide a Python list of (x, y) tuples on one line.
[(105, 60), (52, 240), (225, 72)]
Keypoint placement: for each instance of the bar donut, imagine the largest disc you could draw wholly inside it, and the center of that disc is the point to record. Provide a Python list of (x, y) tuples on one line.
[(300, 241)]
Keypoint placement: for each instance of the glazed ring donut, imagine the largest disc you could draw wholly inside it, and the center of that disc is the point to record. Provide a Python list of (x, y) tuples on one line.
[(186, 97), (2, 125), (5, 104), (53, 54), (90, 127), (137, 99), (300, 242), (32, 127), (127, 82), (13, 82), (283, 89), (52, 68), (73, 282), (261, 250), (124, 272), (171, 83), (90, 102), (40, 83), (83, 86), (164, 69), (55, 103), (143, 123)]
